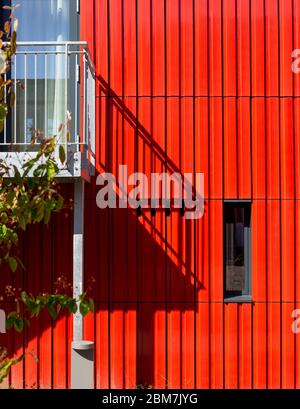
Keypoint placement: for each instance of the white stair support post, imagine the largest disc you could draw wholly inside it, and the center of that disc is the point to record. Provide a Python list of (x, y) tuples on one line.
[(82, 371)]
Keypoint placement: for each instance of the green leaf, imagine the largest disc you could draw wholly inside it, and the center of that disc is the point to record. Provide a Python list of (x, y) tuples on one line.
[(59, 203), (22, 222), (3, 231), (13, 264), (47, 215), (19, 324), (18, 259), (83, 308), (52, 311), (17, 174), (7, 27), (3, 111), (51, 170), (24, 297), (91, 305), (58, 308), (62, 154), (11, 319)]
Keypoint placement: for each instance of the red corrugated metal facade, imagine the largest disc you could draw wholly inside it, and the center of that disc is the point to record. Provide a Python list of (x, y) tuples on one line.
[(189, 86)]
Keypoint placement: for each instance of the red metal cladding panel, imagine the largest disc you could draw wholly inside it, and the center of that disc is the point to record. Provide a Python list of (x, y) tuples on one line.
[(188, 345), (215, 149), (229, 37), (174, 261), (173, 135), (272, 148), (131, 348), (259, 240), (186, 48), (272, 54), (243, 149), (87, 27), (202, 261), (288, 357), (33, 285), (159, 354), (286, 148), (243, 47), (172, 47), (187, 136), (297, 291), (61, 268), (158, 47), (143, 47), (201, 47), (287, 250), (230, 148), (144, 140), (101, 35), (296, 118), (216, 295), (296, 42), (245, 328), (260, 345), (115, 17), (116, 353), (45, 336), (129, 35), (102, 346), (286, 46), (215, 47), (216, 345), (118, 256), (274, 345), (202, 339), (231, 352), (273, 230), (258, 148), (202, 140), (258, 47), (147, 286)]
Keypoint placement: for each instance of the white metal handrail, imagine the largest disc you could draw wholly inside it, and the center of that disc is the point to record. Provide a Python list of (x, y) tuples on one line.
[(57, 77)]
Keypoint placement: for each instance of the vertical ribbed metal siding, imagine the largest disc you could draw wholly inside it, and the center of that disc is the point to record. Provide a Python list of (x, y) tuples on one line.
[(201, 86), (190, 85)]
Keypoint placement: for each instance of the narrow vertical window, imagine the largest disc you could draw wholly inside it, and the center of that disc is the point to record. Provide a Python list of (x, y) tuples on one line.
[(237, 251)]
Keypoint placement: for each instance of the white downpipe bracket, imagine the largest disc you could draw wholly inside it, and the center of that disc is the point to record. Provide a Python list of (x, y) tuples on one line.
[(82, 372)]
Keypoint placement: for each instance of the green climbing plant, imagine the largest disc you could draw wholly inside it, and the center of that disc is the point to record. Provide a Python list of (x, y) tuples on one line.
[(29, 194)]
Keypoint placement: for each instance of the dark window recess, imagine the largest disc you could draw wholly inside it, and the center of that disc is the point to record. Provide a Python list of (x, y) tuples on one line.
[(237, 249)]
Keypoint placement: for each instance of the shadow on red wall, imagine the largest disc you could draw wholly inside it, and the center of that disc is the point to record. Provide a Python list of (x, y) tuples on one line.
[(146, 286)]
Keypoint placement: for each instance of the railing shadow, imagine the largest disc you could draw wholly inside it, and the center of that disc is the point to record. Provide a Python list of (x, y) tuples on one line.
[(144, 268)]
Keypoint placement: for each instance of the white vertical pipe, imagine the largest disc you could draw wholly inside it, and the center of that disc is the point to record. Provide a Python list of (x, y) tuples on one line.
[(35, 93), (25, 96), (46, 96), (5, 117), (66, 94), (76, 101), (78, 253), (84, 100), (15, 106)]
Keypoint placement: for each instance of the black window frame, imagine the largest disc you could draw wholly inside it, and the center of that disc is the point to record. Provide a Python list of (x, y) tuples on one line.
[(246, 295)]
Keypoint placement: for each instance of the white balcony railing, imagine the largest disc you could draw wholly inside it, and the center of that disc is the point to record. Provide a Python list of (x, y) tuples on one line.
[(56, 78)]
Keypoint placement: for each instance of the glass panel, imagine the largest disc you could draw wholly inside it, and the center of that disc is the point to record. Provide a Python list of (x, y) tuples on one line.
[(236, 260), (53, 20), (41, 105)]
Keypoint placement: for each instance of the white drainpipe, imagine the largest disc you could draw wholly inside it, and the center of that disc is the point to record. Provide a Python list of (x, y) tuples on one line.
[(82, 364)]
